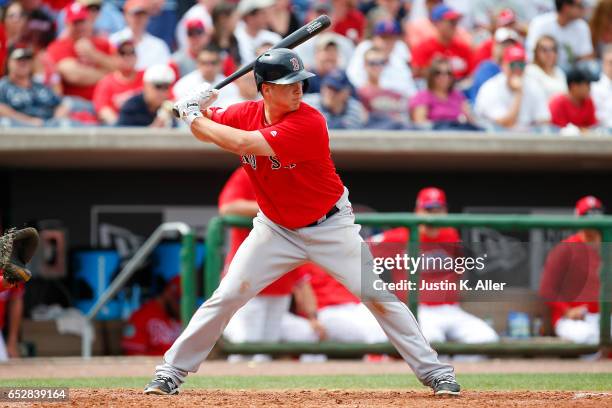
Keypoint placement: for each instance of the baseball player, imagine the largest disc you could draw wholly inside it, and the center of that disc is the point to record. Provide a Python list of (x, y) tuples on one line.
[(305, 215), (440, 315)]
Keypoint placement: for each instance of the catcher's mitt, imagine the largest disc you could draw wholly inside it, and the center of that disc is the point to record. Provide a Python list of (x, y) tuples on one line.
[(16, 249)]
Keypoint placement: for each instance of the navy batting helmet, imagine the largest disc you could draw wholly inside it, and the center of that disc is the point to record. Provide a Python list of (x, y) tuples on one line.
[(280, 66)]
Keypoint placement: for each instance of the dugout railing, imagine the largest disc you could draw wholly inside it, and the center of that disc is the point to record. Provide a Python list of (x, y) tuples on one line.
[(215, 259)]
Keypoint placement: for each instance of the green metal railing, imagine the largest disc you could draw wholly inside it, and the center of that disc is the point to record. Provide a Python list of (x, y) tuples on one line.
[(216, 236), (188, 281)]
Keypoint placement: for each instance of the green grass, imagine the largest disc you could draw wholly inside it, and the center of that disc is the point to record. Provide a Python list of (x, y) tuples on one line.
[(561, 382)]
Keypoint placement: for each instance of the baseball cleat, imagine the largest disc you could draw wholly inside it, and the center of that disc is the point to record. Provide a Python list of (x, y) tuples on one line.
[(446, 385), (161, 385)]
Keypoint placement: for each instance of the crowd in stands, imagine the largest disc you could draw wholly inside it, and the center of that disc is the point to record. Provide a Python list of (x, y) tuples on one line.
[(542, 65)]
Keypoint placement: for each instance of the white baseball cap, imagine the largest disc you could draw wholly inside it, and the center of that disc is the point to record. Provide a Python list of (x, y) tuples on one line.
[(246, 7), (159, 74), (504, 34)]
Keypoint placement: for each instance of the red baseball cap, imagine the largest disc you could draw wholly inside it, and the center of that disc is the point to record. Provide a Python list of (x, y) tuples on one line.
[(431, 197), (174, 286), (76, 12), (589, 205), (506, 17), (514, 54), (194, 24)]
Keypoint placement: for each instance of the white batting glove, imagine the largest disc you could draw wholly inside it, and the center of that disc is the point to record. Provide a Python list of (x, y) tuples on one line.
[(199, 99)]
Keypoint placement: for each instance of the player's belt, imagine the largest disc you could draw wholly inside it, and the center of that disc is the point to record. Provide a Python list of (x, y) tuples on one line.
[(331, 212)]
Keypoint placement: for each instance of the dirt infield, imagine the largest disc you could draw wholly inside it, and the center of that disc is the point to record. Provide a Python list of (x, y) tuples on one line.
[(324, 398)]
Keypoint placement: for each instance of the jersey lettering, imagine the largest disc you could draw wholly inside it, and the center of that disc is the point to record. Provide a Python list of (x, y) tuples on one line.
[(276, 164), (250, 159)]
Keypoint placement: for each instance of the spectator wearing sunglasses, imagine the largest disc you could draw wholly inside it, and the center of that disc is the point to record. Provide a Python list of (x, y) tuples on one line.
[(440, 106), (544, 69), (118, 86), (511, 100), (184, 60), (576, 106), (568, 28), (106, 17), (151, 107)]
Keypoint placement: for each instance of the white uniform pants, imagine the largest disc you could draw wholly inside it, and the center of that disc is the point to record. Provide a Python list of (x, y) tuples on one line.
[(269, 252)]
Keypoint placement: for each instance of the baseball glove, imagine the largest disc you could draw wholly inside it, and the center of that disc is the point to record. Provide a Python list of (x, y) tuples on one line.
[(16, 249)]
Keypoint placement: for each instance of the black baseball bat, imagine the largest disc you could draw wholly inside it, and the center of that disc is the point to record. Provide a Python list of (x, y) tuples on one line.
[(291, 41)]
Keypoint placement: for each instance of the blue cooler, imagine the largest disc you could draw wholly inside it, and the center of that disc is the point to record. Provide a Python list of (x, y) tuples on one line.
[(96, 268), (167, 259)]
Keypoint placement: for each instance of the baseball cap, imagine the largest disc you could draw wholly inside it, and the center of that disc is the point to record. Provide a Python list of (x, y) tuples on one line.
[(387, 27), (76, 12), (589, 205), (135, 6), (194, 24), (506, 17), (337, 80), (88, 3), (174, 286), (159, 74), (577, 76), (505, 34), (431, 197), (443, 12), (326, 39), (514, 54), (246, 7), (21, 53)]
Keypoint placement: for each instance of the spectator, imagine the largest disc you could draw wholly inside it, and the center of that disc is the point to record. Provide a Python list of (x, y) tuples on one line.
[(335, 102), (441, 106), (445, 43), (152, 328), (575, 107), (118, 86), (602, 89), (224, 18), (25, 102), (570, 280), (440, 314), (163, 21), (11, 301), (14, 21), (40, 29), (326, 60), (184, 59), (387, 109), (396, 73), (510, 99), (487, 69), (544, 69), (485, 12), (343, 51), (506, 19), (252, 31), (202, 11), (601, 26), (81, 58), (151, 107), (285, 21), (209, 70), (394, 10), (422, 28), (106, 17), (568, 28), (347, 20), (150, 50)]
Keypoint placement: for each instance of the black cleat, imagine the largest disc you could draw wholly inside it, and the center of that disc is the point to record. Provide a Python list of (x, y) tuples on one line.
[(446, 385), (161, 385)]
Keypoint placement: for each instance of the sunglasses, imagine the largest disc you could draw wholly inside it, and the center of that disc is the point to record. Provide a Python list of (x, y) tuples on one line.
[(94, 8), (15, 15), (547, 49), (443, 72), (127, 53), (194, 33), (208, 62), (376, 63), (162, 87), (517, 65)]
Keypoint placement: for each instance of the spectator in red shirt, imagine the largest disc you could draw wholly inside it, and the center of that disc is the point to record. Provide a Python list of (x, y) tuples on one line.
[(152, 329), (446, 43), (11, 300), (570, 281), (348, 20), (184, 60), (118, 86), (81, 58), (506, 19), (576, 107)]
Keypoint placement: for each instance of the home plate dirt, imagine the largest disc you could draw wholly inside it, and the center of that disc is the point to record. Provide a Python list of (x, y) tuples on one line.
[(328, 398)]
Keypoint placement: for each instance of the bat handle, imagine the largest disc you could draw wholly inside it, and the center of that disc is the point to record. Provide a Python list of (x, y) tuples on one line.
[(176, 114)]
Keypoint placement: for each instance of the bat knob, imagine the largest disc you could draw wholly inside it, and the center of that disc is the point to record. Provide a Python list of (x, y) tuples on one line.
[(176, 113)]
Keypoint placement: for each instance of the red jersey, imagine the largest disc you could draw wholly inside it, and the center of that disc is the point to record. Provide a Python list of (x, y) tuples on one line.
[(571, 277), (299, 184), (483, 52), (150, 331), (457, 52), (238, 187), (563, 112), (444, 245), (7, 295), (3, 49), (63, 48), (329, 292), (112, 91)]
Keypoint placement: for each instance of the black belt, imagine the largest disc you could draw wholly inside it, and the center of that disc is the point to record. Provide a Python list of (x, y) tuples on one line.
[(331, 212)]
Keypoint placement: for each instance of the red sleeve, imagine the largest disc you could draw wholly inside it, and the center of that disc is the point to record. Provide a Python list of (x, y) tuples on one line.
[(103, 45), (591, 120), (554, 273), (228, 115), (301, 136), (135, 339), (558, 115), (59, 50), (238, 187), (421, 54), (3, 49), (102, 95)]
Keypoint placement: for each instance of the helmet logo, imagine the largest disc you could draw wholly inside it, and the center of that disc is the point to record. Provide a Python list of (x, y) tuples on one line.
[(296, 64)]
